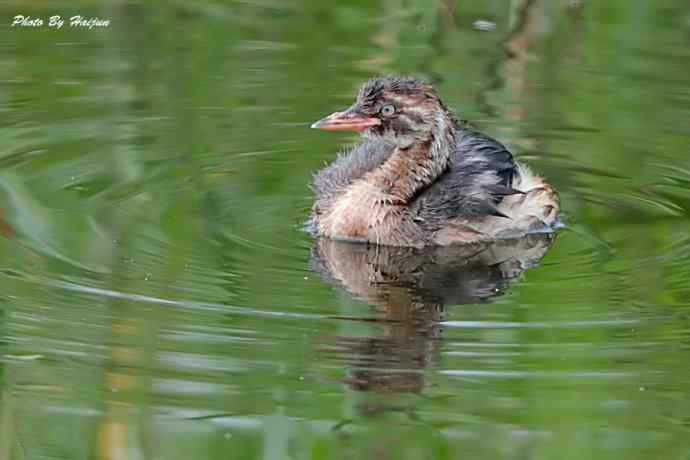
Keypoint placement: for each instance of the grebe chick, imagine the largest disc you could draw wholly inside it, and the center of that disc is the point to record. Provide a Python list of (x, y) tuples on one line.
[(420, 178)]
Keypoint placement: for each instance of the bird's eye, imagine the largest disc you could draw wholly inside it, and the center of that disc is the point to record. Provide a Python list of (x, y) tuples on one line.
[(387, 110)]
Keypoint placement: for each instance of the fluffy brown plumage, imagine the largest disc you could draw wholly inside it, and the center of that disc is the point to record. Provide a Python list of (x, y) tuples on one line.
[(421, 178)]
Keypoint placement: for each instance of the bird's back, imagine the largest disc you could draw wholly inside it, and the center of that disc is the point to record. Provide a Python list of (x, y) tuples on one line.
[(479, 176), (484, 195)]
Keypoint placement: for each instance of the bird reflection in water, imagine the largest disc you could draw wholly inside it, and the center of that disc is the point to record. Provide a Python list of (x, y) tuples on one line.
[(409, 290)]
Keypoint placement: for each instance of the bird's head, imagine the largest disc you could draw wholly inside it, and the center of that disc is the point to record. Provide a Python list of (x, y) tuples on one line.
[(402, 110)]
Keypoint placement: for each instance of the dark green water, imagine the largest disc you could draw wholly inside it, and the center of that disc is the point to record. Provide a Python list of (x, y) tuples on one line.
[(160, 301)]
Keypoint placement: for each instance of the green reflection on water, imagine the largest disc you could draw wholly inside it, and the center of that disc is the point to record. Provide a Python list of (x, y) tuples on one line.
[(158, 300)]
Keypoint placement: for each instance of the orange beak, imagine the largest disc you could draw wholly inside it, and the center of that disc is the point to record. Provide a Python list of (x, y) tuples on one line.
[(346, 121)]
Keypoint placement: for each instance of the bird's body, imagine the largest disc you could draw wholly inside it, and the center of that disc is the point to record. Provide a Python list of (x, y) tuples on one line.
[(422, 178)]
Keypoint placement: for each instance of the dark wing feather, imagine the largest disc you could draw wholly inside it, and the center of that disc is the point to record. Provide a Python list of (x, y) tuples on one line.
[(479, 176)]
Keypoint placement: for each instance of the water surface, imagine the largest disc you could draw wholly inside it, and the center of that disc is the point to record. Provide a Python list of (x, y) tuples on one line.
[(160, 299)]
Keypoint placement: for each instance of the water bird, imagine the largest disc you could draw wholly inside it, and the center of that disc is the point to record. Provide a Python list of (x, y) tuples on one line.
[(420, 177)]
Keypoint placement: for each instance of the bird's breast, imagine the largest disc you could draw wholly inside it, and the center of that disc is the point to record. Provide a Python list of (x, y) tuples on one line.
[(365, 213)]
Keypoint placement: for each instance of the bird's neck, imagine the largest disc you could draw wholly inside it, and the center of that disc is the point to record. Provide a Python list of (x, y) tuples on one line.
[(409, 170)]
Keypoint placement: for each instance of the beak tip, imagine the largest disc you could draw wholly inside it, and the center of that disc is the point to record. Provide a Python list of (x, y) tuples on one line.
[(314, 125)]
